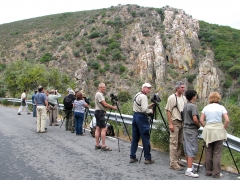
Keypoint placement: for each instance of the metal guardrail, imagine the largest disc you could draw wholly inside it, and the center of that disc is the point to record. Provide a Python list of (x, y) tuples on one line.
[(233, 141)]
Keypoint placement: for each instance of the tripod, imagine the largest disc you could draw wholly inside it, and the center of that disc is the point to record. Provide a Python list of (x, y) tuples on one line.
[(114, 102), (154, 116), (86, 117), (229, 151), (63, 118)]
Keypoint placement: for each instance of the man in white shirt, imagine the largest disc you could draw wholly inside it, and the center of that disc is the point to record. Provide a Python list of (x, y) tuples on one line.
[(23, 103)]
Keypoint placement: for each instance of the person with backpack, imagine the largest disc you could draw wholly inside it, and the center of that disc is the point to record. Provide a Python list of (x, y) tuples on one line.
[(174, 107), (68, 106)]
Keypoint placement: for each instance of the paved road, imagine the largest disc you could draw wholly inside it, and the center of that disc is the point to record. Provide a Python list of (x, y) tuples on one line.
[(61, 155)]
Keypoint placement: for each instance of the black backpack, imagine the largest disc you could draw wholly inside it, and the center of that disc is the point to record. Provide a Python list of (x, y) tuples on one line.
[(67, 103), (110, 131)]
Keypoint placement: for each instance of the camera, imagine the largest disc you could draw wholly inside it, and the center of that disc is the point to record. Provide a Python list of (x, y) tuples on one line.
[(114, 97), (155, 98), (87, 100)]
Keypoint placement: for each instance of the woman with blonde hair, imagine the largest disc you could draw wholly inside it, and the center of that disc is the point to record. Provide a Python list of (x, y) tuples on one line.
[(79, 108), (214, 133)]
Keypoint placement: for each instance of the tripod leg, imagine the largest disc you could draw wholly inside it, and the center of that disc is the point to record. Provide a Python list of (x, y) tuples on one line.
[(86, 115), (232, 156), (123, 121), (117, 131), (200, 157), (163, 119)]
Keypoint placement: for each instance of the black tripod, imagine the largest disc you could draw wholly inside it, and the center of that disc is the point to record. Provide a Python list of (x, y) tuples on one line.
[(86, 117), (229, 151), (155, 99), (114, 102)]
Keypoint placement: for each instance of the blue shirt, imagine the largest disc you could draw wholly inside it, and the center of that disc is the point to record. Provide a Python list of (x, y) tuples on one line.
[(40, 99), (33, 98)]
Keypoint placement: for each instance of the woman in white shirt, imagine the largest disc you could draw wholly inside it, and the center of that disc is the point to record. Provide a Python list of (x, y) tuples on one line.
[(214, 133)]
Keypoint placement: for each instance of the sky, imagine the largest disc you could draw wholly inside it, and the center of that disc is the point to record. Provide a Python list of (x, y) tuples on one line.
[(221, 12)]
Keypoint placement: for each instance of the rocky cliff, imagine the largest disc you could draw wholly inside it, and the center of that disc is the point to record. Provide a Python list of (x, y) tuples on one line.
[(159, 46)]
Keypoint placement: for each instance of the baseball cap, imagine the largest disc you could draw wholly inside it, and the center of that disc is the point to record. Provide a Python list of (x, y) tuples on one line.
[(146, 85)]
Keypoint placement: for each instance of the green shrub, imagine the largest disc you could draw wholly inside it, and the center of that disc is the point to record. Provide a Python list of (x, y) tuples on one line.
[(160, 136), (190, 77), (46, 57), (2, 67), (88, 49), (228, 82), (94, 34), (124, 96), (42, 48), (76, 54), (133, 13), (29, 44), (77, 44), (116, 55)]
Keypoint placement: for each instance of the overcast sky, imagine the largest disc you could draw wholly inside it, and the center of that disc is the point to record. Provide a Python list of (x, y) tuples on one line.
[(222, 12)]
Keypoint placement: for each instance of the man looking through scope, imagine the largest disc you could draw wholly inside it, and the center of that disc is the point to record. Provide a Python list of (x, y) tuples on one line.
[(100, 110), (140, 124)]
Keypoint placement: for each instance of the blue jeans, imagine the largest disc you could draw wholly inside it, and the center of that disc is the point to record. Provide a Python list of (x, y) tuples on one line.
[(34, 111), (79, 117), (140, 128)]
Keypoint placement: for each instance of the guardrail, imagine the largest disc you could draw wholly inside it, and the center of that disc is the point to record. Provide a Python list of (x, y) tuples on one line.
[(233, 141)]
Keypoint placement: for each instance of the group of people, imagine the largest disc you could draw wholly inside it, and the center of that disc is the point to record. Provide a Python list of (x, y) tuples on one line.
[(183, 122)]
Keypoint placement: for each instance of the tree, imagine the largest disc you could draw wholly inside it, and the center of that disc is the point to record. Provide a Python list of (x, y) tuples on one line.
[(124, 96), (20, 75)]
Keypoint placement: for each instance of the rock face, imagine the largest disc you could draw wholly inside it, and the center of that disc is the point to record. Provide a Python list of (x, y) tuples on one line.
[(180, 34), (208, 78)]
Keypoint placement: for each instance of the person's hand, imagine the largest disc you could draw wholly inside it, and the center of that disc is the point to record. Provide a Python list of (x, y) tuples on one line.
[(114, 107), (171, 128)]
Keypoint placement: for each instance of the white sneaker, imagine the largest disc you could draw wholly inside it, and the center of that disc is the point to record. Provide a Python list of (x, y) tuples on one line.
[(191, 174)]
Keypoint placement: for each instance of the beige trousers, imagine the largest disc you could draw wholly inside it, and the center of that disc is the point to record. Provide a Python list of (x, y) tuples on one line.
[(41, 118), (176, 141), (53, 115)]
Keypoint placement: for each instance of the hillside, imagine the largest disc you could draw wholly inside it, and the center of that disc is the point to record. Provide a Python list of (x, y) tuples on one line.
[(125, 46)]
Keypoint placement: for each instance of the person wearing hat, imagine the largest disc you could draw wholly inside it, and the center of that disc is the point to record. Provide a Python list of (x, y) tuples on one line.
[(140, 124), (53, 107), (174, 108)]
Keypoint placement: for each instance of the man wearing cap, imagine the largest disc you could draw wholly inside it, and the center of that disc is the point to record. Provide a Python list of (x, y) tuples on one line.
[(42, 105), (174, 107), (53, 107), (140, 124)]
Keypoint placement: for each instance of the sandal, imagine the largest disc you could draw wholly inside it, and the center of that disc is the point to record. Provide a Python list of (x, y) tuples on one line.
[(105, 148), (98, 147)]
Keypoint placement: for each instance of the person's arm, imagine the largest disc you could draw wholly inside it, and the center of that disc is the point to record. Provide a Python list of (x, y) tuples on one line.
[(170, 124), (226, 120), (46, 103), (195, 119), (106, 105), (202, 118)]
